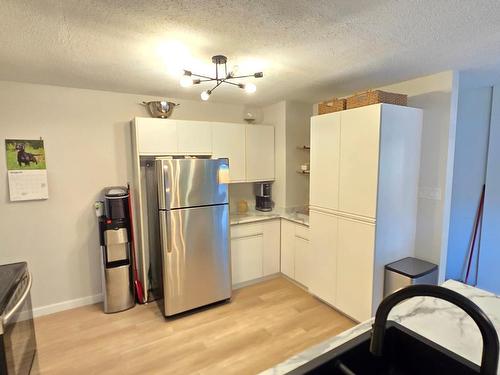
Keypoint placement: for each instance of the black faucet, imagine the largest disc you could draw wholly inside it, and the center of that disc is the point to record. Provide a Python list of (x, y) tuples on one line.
[(489, 360)]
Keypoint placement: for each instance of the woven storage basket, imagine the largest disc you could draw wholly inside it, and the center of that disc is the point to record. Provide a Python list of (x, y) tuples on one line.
[(374, 97), (330, 106)]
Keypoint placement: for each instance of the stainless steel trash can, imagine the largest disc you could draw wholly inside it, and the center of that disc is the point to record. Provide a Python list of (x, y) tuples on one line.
[(408, 271)]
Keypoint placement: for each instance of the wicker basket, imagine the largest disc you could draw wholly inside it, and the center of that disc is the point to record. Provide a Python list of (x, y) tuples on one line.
[(330, 106), (374, 97)]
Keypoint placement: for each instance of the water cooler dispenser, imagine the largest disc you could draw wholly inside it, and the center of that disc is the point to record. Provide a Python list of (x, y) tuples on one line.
[(114, 234)]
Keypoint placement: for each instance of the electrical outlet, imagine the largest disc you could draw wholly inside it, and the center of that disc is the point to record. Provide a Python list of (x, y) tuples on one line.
[(429, 193)]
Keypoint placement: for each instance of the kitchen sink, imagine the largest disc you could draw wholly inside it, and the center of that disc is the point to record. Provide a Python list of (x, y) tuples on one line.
[(405, 352), (390, 348)]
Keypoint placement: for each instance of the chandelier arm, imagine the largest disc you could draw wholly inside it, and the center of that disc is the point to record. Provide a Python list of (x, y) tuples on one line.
[(231, 83), (249, 75), (208, 78)]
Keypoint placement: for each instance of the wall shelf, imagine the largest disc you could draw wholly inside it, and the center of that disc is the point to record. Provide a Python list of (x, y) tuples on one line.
[(304, 147), (304, 172)]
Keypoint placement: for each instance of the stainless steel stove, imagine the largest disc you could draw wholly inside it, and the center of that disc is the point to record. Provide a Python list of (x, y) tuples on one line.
[(17, 330)]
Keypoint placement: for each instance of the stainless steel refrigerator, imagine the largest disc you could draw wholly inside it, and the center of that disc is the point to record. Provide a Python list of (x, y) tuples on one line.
[(193, 209)]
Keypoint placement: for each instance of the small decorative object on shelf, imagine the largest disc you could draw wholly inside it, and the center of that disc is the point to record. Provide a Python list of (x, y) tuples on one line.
[(249, 117), (304, 172)]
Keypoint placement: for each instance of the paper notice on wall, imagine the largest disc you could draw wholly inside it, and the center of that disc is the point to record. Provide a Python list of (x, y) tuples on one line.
[(26, 169)]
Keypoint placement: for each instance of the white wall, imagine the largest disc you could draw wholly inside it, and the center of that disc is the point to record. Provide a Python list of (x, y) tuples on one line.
[(298, 125), (471, 146), (292, 124), (489, 277), (87, 142), (275, 114)]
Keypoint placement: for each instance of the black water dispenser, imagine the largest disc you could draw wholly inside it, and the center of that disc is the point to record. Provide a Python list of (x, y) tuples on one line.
[(114, 234)]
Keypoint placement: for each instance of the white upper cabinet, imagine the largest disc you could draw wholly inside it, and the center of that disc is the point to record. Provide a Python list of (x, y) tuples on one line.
[(249, 148), (172, 137), (194, 138), (325, 154), (359, 157), (259, 152), (228, 141), (155, 136)]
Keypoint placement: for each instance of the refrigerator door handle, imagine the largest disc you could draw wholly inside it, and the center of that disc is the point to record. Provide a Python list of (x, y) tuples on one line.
[(164, 237), (161, 177)]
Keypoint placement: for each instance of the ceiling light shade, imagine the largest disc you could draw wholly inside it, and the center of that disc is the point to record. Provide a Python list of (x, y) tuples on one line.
[(221, 76), (205, 95), (186, 81), (250, 88)]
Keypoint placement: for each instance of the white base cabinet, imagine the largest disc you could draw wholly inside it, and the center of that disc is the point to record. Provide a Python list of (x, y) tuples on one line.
[(295, 252), (255, 250)]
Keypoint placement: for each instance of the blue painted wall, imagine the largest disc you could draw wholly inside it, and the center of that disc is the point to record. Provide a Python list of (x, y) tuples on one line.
[(469, 173), (489, 262)]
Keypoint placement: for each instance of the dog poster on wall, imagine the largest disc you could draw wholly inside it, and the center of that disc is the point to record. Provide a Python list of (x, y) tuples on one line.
[(27, 169)]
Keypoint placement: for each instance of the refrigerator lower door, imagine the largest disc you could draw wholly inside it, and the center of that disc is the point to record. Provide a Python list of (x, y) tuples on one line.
[(195, 257)]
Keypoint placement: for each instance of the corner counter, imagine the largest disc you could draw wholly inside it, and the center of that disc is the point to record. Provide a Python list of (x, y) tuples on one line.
[(436, 320), (255, 216)]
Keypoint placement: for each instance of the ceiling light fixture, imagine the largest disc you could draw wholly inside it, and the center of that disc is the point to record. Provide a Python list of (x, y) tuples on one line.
[(222, 76)]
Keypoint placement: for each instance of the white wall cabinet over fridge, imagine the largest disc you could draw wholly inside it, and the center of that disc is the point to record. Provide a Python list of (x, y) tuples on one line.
[(172, 137), (363, 201)]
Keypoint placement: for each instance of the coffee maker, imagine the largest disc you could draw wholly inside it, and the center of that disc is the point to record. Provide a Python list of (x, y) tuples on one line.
[(263, 200)]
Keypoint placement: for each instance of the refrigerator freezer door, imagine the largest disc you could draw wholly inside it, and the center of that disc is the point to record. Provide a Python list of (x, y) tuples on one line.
[(196, 257), (191, 182)]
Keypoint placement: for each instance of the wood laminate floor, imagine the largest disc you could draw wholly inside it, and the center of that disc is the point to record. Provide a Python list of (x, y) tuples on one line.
[(263, 325)]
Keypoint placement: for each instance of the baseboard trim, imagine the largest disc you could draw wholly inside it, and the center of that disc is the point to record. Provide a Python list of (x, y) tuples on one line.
[(66, 305), (255, 281)]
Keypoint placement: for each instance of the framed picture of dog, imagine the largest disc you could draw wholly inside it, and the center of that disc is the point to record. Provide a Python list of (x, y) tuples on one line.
[(26, 169)]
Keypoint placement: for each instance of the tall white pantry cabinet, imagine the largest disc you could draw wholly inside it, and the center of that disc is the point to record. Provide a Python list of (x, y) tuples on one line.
[(363, 201)]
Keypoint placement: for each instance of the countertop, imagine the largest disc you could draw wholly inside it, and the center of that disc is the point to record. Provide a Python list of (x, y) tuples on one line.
[(255, 216), (437, 320)]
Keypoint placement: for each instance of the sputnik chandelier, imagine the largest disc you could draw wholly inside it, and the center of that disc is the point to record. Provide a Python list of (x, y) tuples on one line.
[(221, 76)]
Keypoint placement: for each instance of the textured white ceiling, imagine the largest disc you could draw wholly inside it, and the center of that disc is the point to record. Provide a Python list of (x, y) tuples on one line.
[(308, 50)]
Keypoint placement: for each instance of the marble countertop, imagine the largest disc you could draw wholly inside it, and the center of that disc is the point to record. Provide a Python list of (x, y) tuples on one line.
[(435, 319), (254, 216)]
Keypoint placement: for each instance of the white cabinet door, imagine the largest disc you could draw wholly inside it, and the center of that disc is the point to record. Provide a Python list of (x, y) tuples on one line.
[(255, 250), (271, 255), (359, 154), (323, 238), (356, 242), (259, 153), (325, 153), (228, 141), (194, 137), (288, 248), (303, 261), (246, 258), (156, 136)]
